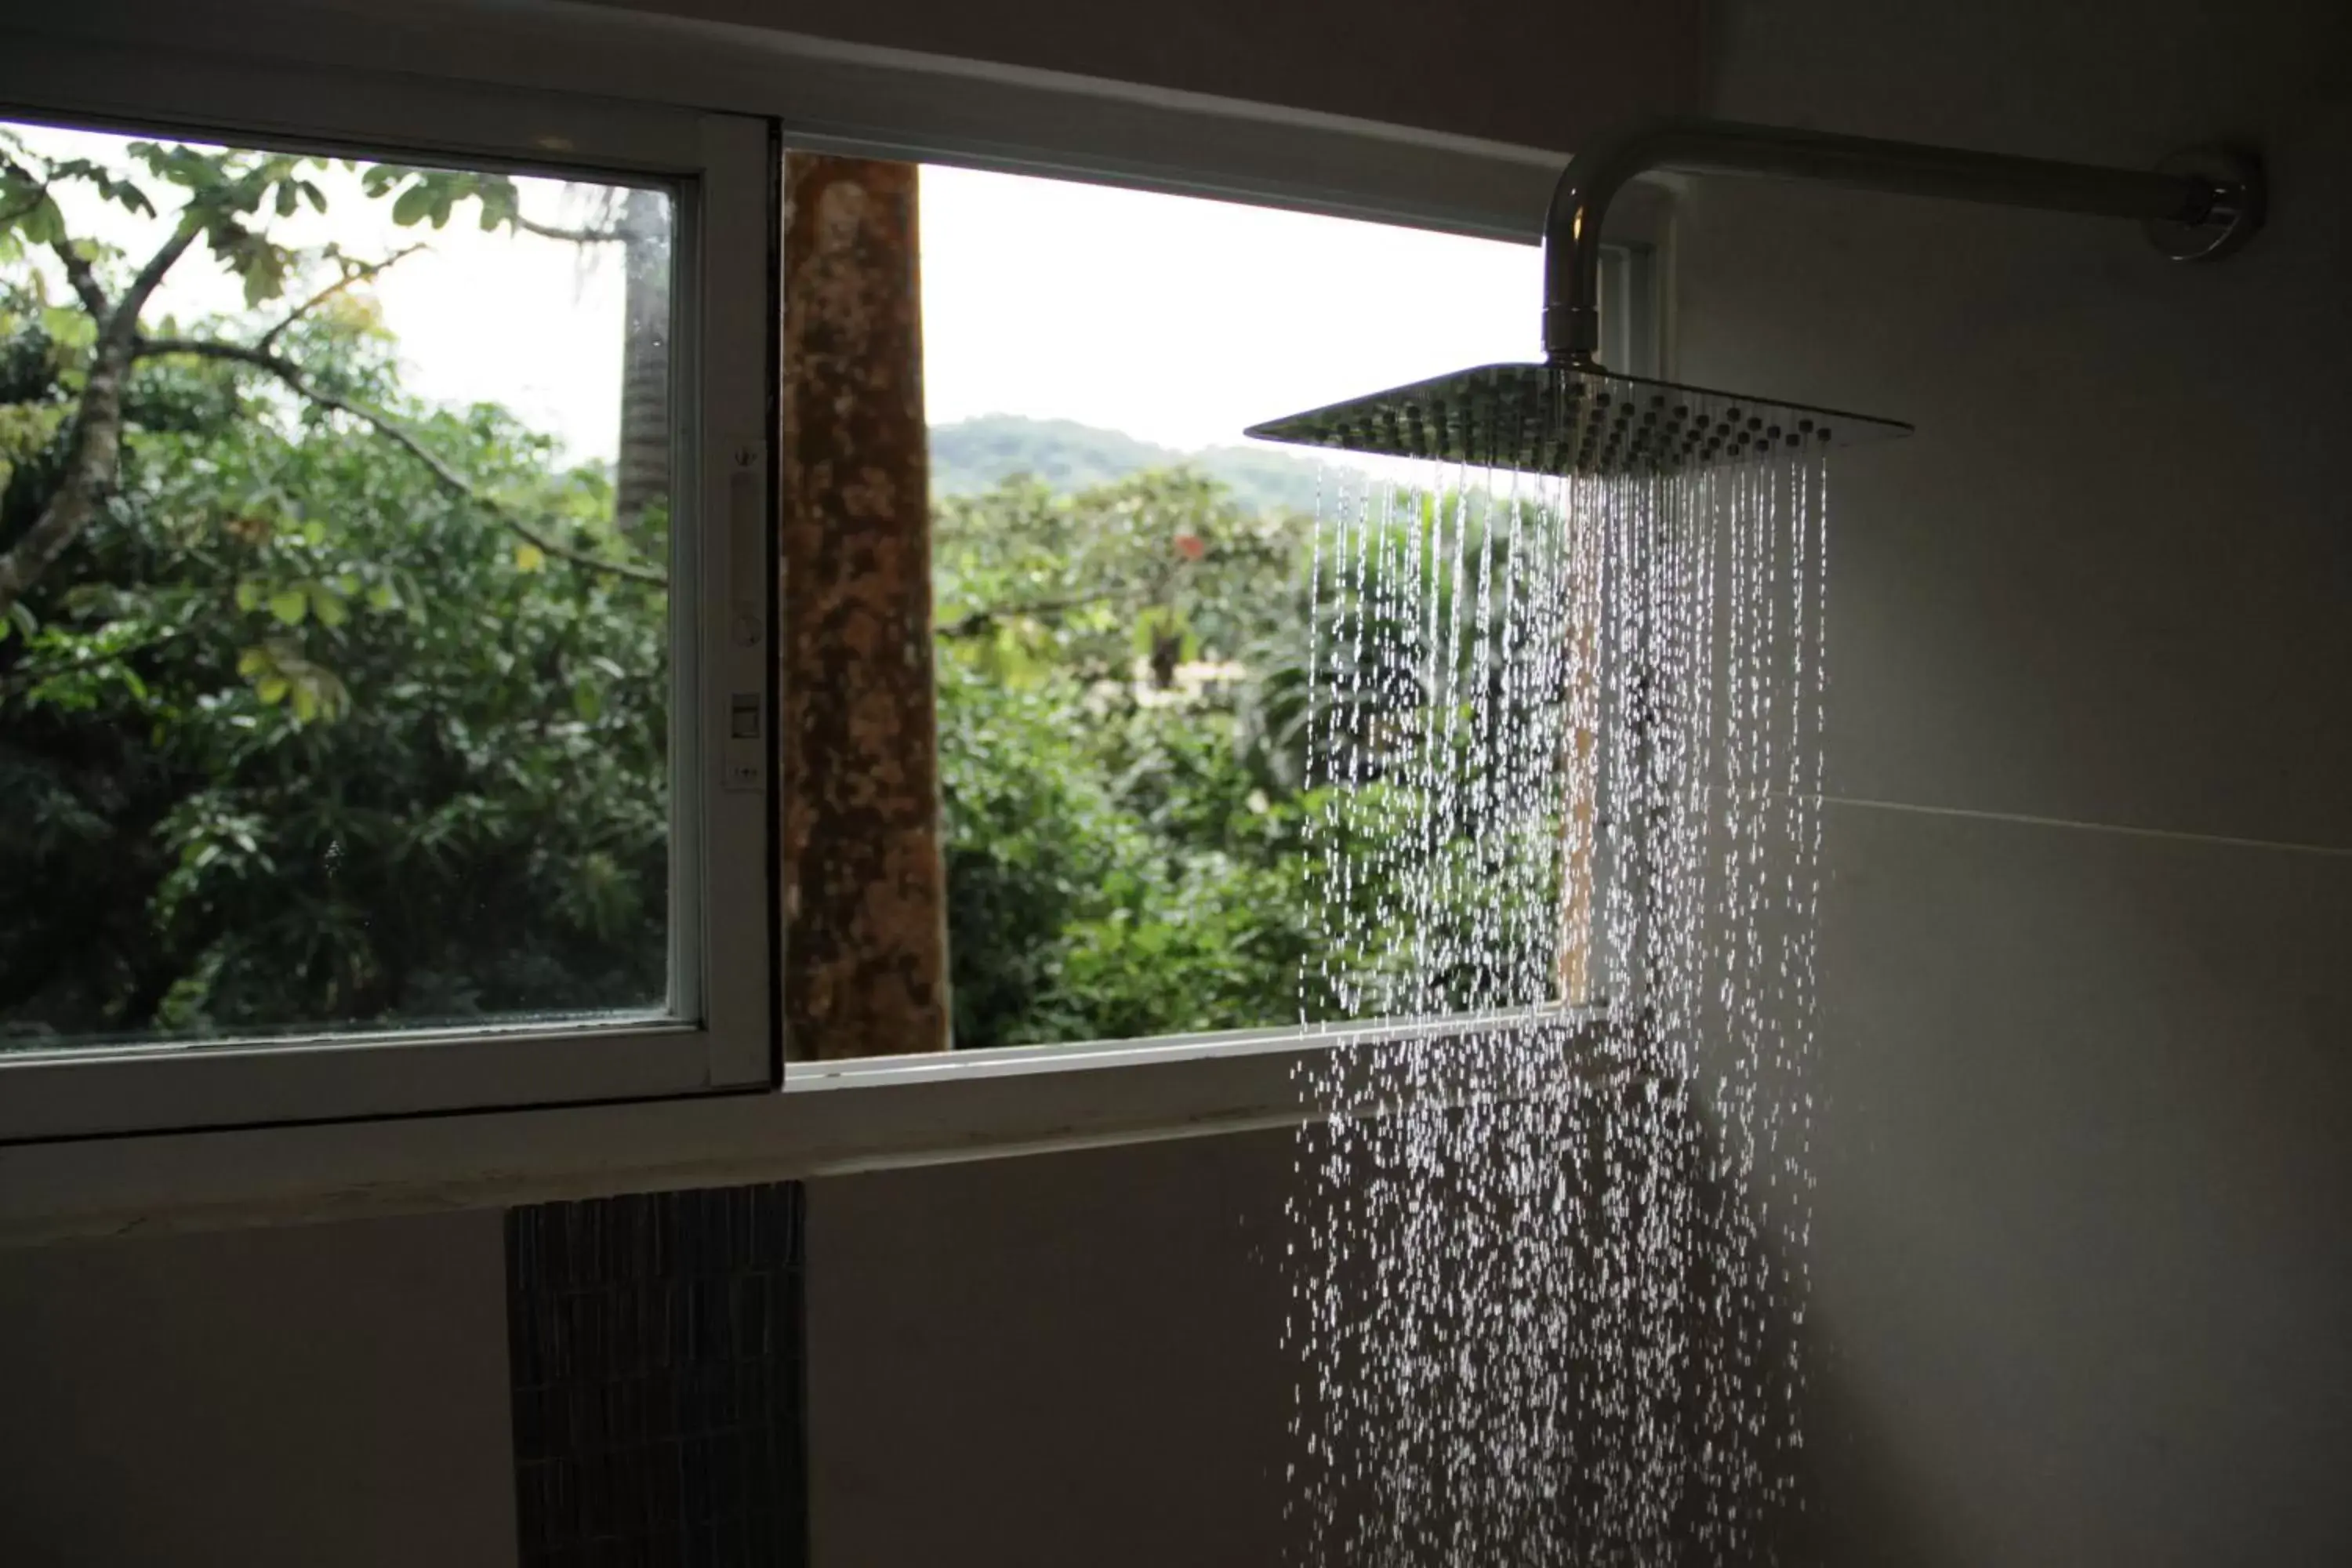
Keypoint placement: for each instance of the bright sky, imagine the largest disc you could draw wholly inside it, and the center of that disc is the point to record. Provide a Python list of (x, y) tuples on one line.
[(509, 318), (1175, 320), (1182, 321)]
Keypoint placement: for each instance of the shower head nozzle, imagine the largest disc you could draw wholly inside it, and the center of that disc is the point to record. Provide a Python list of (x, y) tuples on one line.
[(1570, 419)]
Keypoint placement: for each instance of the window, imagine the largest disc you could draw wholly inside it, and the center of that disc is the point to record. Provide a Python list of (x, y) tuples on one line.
[(384, 591), (1124, 625), (601, 928)]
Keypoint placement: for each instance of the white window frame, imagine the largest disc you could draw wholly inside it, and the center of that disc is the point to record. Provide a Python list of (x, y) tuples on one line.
[(716, 1030), (499, 68)]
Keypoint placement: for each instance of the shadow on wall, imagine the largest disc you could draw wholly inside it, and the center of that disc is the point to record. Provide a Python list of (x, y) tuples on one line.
[(1847, 1497)]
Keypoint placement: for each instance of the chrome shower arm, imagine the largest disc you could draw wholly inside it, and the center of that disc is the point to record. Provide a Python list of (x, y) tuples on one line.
[(2199, 205)]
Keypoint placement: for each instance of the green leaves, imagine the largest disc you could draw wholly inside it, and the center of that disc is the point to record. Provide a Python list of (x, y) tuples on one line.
[(1128, 579), (295, 737), (120, 191), (292, 604), (39, 221), (182, 166), (261, 263), (224, 190), (1118, 862), (29, 215), (430, 195), (417, 204), (280, 673)]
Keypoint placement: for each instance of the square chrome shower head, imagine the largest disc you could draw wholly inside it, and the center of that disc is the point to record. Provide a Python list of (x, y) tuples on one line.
[(1552, 419)]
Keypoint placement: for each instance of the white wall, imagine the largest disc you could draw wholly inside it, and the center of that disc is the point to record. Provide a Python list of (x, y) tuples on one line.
[(2083, 1265), (326, 1396), (1071, 1360)]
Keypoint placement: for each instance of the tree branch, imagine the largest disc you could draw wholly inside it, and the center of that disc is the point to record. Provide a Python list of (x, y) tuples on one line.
[(88, 478), (360, 274), (93, 459), (77, 270), (402, 436), (980, 619), (576, 235), (85, 283), (23, 679), (123, 325)]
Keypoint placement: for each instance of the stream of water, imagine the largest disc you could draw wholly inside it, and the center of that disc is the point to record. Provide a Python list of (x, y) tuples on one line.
[(1547, 1247)]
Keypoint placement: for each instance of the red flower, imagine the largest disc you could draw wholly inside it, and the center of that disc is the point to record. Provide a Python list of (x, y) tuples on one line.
[(1191, 546)]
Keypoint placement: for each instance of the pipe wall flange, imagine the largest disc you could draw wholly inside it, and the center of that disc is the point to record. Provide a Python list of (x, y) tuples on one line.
[(2236, 176)]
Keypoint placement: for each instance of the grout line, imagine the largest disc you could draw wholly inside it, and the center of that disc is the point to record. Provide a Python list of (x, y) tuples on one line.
[(2023, 819)]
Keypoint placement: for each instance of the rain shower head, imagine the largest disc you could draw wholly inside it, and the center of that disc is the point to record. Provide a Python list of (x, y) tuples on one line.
[(1568, 416), (1571, 419)]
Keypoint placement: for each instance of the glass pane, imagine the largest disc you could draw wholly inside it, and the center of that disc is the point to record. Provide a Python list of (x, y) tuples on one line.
[(334, 523), (1123, 631)]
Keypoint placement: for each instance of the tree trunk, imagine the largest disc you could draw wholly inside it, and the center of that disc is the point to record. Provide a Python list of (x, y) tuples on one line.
[(92, 461), (864, 887), (641, 474)]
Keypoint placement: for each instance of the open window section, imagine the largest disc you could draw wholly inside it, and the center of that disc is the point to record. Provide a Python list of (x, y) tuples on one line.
[(383, 602), (1201, 697)]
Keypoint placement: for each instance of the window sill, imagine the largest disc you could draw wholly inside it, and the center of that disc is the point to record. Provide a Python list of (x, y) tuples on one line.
[(831, 1118)]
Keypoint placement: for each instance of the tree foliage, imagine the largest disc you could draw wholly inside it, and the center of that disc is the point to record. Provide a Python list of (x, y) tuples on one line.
[(294, 736), (1121, 863), (321, 705), (330, 706)]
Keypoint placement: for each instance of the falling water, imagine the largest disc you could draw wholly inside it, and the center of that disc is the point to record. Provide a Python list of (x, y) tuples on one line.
[(1549, 1247)]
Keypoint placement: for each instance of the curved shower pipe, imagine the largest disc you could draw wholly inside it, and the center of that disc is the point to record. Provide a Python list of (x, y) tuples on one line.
[(2196, 205)]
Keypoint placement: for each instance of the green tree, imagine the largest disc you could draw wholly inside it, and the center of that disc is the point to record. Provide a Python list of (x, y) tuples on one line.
[(1130, 697), (1161, 567), (1126, 855), (317, 704), (323, 705)]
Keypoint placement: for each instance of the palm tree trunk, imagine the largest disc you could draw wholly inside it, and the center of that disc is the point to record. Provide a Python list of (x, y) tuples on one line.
[(864, 882), (641, 475)]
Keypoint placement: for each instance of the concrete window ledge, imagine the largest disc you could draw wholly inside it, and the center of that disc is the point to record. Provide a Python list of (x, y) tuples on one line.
[(830, 1119)]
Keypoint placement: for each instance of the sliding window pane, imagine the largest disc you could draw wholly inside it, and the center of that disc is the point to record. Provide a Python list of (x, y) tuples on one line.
[(335, 686), (1124, 635)]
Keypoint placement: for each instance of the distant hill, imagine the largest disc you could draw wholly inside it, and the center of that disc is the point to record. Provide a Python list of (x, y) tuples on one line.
[(973, 455)]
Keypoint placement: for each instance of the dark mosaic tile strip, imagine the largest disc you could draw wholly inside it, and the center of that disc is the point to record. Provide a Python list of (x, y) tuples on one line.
[(655, 1347)]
